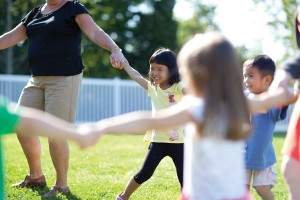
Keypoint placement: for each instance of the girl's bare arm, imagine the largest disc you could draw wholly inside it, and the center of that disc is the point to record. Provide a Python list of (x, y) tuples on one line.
[(135, 75), (35, 122), (141, 121)]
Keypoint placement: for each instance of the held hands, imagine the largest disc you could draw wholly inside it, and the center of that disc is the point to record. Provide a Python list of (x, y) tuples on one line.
[(262, 102), (279, 87), (117, 58), (282, 79), (88, 135), (284, 96)]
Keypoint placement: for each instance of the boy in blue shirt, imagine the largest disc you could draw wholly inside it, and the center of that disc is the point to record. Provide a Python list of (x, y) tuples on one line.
[(260, 156)]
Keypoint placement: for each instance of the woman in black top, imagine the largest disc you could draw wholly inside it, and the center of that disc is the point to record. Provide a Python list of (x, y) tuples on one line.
[(54, 33)]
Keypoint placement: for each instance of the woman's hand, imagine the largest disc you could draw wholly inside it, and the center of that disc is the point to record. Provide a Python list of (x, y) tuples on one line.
[(117, 58)]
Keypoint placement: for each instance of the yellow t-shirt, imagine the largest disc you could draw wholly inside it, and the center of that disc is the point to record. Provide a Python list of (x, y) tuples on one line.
[(163, 99)]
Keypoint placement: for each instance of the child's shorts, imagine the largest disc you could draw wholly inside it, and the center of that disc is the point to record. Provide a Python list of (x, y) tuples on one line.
[(266, 176)]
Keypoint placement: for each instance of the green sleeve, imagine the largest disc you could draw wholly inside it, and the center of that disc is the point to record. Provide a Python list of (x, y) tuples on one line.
[(9, 117)]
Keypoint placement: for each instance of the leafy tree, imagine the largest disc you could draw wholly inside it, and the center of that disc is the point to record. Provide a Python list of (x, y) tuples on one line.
[(12, 11), (137, 26), (282, 13), (201, 21)]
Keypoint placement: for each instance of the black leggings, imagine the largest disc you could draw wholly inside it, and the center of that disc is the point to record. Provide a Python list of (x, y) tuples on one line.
[(156, 152)]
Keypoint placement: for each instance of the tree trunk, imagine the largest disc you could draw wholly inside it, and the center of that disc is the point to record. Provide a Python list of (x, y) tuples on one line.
[(9, 52)]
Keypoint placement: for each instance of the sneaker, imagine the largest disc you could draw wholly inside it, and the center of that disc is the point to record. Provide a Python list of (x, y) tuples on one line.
[(31, 183), (56, 190)]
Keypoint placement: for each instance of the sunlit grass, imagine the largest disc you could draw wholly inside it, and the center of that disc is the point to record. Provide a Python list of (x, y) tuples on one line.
[(280, 190), (100, 172), (103, 171)]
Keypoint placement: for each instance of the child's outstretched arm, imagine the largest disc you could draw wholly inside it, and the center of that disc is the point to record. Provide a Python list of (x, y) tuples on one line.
[(141, 121), (266, 100), (135, 75), (35, 122)]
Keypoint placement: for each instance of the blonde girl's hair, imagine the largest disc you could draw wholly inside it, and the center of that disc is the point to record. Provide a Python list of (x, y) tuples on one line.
[(211, 64)]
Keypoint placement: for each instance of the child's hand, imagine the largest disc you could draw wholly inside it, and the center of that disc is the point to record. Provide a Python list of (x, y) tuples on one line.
[(285, 97), (117, 58), (89, 135), (297, 87), (281, 79)]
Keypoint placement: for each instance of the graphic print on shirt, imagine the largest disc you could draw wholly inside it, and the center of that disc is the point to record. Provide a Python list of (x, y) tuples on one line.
[(174, 135)]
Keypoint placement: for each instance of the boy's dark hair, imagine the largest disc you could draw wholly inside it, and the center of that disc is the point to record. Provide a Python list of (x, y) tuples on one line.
[(264, 64), (164, 56)]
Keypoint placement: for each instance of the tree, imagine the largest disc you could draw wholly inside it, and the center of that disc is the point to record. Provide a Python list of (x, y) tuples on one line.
[(282, 13), (137, 26), (14, 59), (201, 21)]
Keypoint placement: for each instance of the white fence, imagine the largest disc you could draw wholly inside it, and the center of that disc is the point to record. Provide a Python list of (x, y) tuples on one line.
[(101, 98), (98, 99)]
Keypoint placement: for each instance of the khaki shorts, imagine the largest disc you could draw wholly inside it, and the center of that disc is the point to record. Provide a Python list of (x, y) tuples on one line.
[(267, 176), (56, 95)]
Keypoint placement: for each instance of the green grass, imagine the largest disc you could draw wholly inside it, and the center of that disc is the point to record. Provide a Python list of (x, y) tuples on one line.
[(103, 171), (280, 190), (100, 172)]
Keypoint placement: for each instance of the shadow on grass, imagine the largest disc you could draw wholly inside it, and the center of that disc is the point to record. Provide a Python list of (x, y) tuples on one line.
[(42, 191)]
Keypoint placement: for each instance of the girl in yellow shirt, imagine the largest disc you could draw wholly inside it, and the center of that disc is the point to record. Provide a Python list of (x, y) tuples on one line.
[(165, 89)]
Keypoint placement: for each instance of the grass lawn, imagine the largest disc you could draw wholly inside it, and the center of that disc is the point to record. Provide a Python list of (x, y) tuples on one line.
[(103, 171), (280, 190)]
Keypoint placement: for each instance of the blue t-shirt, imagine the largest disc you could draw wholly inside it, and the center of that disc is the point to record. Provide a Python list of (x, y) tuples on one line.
[(260, 152)]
